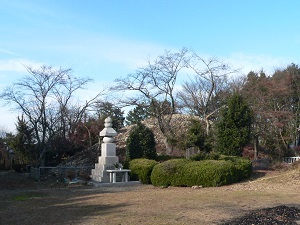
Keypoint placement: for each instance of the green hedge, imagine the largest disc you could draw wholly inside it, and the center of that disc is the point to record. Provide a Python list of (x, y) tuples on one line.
[(168, 173), (142, 169), (243, 166), (207, 173)]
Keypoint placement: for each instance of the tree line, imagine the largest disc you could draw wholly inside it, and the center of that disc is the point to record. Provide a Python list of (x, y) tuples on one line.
[(256, 109)]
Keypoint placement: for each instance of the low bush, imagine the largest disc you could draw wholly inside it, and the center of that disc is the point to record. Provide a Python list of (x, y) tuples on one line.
[(243, 166), (182, 172), (207, 173), (168, 173), (142, 169)]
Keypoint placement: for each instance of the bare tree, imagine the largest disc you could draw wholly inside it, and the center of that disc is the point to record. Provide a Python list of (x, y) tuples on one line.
[(44, 98), (155, 84), (201, 95)]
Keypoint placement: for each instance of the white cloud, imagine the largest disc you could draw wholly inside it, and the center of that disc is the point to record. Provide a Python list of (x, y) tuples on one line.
[(257, 62), (17, 65)]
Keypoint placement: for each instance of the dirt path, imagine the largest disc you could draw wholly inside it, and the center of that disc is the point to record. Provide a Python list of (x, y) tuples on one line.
[(23, 201)]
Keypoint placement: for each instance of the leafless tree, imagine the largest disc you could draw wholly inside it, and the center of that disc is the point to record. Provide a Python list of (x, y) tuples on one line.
[(155, 85), (201, 95), (44, 97)]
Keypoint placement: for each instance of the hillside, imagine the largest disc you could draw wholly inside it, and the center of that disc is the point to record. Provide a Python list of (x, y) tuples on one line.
[(179, 122)]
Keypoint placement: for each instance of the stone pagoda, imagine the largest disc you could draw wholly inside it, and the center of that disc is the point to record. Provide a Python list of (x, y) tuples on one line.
[(108, 158)]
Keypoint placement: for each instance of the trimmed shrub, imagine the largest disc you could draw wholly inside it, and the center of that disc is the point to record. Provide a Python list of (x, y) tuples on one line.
[(142, 169), (243, 166), (168, 173), (208, 173)]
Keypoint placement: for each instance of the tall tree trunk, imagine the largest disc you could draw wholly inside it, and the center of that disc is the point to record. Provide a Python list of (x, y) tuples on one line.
[(169, 147)]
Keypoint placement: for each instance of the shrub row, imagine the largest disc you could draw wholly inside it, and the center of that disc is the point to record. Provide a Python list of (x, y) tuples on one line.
[(168, 173), (141, 169), (183, 172), (243, 166)]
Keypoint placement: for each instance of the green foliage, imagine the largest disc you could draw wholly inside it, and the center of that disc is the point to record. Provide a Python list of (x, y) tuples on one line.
[(27, 196), (159, 108), (140, 143), (243, 166), (234, 127), (168, 173), (107, 109), (195, 135), (207, 173), (142, 168), (23, 142), (137, 115)]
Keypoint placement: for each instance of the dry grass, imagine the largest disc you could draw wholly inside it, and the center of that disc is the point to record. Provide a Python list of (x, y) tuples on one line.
[(23, 201)]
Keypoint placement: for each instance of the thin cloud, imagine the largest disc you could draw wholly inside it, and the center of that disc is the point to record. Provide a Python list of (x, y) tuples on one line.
[(8, 52), (256, 63), (17, 65), (95, 49)]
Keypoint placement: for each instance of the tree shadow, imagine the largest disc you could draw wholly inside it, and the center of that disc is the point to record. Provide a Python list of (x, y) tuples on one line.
[(58, 205), (257, 174)]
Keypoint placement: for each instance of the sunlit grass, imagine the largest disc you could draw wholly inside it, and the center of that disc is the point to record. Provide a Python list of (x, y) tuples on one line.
[(27, 196)]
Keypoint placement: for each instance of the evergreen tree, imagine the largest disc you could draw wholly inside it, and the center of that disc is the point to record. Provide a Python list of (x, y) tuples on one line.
[(140, 143), (195, 135), (138, 114), (234, 126), (23, 142), (107, 109)]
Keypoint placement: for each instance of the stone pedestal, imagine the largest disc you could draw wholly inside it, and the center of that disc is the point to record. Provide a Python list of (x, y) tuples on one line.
[(108, 157)]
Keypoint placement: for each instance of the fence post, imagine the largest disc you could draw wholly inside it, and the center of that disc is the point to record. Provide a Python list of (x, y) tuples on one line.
[(35, 173)]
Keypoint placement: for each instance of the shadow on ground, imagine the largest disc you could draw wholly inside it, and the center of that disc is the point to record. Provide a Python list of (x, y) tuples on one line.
[(25, 201)]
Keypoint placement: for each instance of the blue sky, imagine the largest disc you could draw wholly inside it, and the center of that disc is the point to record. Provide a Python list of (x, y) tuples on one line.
[(108, 39)]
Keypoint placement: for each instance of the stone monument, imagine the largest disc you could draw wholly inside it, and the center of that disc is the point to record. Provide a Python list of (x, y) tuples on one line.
[(108, 158)]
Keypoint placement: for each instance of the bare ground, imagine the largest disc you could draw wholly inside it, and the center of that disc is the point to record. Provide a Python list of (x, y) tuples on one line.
[(23, 201)]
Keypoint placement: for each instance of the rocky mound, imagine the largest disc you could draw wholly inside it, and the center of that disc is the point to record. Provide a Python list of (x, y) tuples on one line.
[(179, 123), (89, 156)]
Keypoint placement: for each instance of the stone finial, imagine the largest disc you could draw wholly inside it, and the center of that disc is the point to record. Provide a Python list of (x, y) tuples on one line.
[(108, 132)]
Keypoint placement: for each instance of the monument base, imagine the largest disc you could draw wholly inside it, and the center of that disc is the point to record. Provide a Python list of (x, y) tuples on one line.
[(99, 174)]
